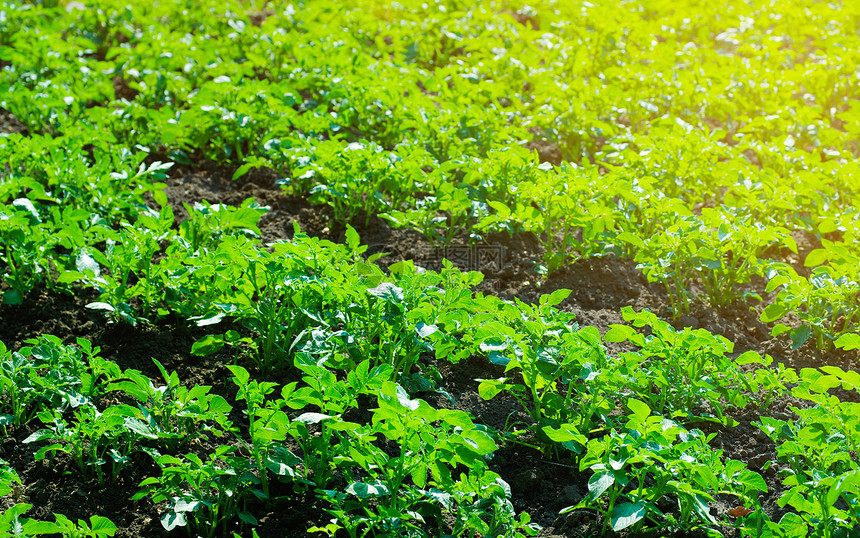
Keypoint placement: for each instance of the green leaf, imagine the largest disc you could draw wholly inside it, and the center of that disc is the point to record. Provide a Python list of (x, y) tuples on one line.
[(640, 409), (217, 404), (31, 528), (481, 442), (232, 336), (248, 518), (101, 306), (102, 525), (171, 520), (344, 426), (139, 427), (85, 263), (242, 170), (424, 330), (401, 268), (352, 239), (779, 329), (791, 525), (816, 257), (626, 514), (136, 388), (824, 383), (405, 401), (68, 277), (419, 476), (494, 343), (565, 434), (388, 292), (445, 499), (27, 205), (241, 375), (848, 341), (800, 335), (631, 238), (185, 506), (13, 297), (752, 480), (37, 436), (619, 333), (210, 319), (555, 297), (847, 483), (365, 490), (312, 418), (498, 358), (281, 461), (489, 388), (749, 357), (700, 505), (850, 379), (777, 281), (160, 197), (599, 483), (773, 312), (207, 345)]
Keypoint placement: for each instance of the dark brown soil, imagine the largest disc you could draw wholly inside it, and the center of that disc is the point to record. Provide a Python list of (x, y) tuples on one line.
[(601, 286), (11, 124)]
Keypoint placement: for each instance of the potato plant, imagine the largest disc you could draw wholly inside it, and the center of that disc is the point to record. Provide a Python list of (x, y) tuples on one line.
[(825, 302), (654, 458), (700, 141)]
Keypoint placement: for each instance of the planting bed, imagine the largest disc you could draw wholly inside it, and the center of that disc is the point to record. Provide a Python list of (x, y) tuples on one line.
[(540, 485), (288, 270)]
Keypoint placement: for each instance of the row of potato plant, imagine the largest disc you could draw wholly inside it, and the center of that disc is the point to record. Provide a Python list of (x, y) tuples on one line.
[(337, 128), (378, 492), (413, 306), (725, 257), (63, 381), (356, 112)]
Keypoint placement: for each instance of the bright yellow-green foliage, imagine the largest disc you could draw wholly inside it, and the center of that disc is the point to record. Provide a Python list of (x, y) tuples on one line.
[(423, 113), (700, 139), (699, 84)]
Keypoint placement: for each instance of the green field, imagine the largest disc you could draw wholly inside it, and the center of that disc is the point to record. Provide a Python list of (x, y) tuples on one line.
[(585, 268)]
